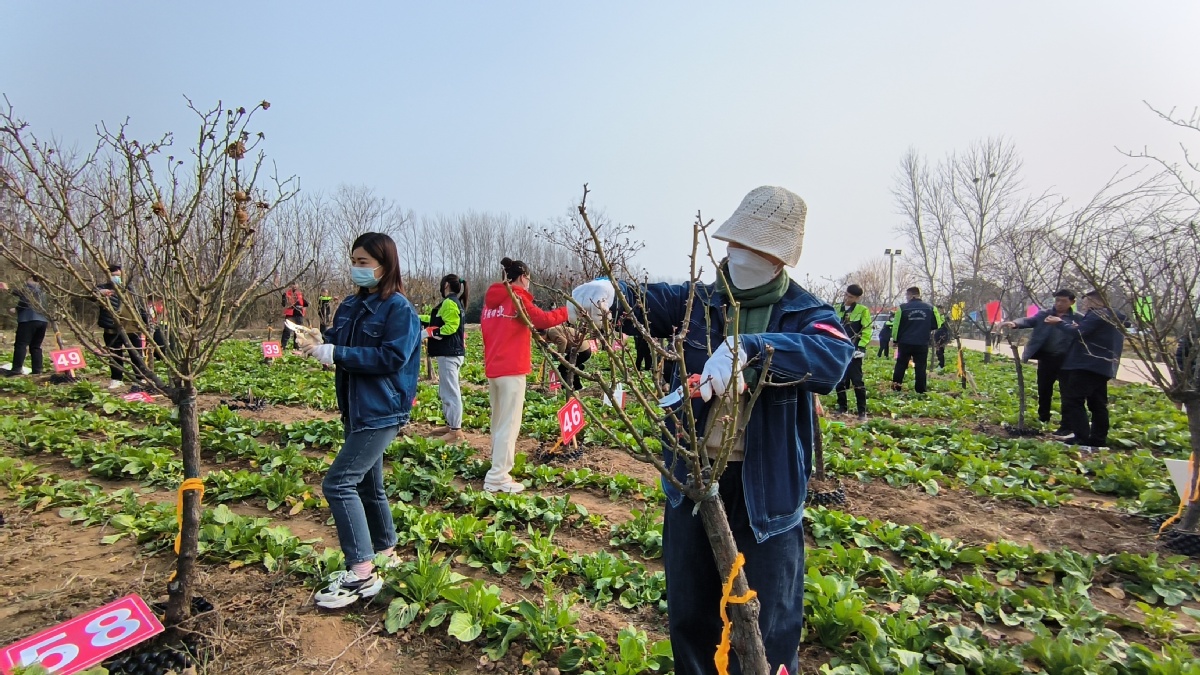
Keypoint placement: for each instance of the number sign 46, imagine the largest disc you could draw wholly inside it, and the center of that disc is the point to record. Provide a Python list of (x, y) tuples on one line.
[(86, 640), (67, 359), (570, 419)]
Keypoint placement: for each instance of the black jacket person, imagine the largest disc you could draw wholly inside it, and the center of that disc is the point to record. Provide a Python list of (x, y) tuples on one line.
[(914, 322)]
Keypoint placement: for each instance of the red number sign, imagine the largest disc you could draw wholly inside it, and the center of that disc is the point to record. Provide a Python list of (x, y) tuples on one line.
[(86, 640), (570, 419), (139, 396), (555, 384), (271, 350), (67, 359)]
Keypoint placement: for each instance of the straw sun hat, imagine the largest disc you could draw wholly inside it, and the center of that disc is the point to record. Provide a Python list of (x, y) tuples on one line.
[(769, 220)]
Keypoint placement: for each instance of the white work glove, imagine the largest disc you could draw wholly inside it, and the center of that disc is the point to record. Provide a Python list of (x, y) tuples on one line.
[(322, 353), (595, 297), (718, 370), (858, 353)]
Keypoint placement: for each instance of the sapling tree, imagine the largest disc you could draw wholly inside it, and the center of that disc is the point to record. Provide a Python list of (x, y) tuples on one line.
[(649, 423), (184, 224)]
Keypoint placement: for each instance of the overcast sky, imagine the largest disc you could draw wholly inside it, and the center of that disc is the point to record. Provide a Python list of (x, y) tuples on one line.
[(665, 108)]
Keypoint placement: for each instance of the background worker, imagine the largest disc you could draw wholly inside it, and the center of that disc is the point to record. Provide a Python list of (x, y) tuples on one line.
[(294, 306), (885, 336), (1097, 340), (325, 310), (856, 322), (1048, 346), (915, 321), (445, 333), (31, 326)]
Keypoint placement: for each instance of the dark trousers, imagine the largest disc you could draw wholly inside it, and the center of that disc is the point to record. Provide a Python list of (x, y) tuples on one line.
[(884, 347), (920, 358), (940, 352), (643, 362), (774, 568), (29, 339), (119, 355), (1080, 388), (854, 377), (565, 375), (1049, 371), (288, 334)]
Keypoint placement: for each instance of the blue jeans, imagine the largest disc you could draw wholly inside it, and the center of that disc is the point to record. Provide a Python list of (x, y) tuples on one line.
[(354, 489), (774, 568)]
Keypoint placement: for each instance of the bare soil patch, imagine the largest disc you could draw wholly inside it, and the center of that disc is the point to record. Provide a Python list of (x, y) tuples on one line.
[(965, 516)]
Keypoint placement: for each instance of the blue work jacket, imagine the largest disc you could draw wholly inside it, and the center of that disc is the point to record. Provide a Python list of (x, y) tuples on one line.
[(808, 344), (377, 355), (1097, 340)]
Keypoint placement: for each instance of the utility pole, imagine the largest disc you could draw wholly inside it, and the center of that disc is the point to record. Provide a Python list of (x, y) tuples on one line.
[(891, 300)]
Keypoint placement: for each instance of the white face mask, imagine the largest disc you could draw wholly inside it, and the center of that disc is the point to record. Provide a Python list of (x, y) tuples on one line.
[(749, 270)]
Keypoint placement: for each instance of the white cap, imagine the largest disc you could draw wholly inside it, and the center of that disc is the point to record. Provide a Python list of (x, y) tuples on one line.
[(769, 220)]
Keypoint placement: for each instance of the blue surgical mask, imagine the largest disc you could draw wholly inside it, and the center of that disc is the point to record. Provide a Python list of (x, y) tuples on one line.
[(116, 279), (364, 276)]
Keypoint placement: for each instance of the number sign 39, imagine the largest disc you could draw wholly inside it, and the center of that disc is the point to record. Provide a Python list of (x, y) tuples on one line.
[(67, 359), (86, 640), (271, 350), (570, 419)]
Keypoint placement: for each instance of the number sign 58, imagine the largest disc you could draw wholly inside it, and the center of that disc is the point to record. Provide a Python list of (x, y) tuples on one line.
[(67, 359), (85, 640), (570, 419)]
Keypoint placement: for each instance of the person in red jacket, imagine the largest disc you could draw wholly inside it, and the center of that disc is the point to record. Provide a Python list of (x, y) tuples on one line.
[(506, 362), (294, 306)]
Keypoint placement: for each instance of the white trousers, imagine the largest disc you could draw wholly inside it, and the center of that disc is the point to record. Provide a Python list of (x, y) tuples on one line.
[(507, 396)]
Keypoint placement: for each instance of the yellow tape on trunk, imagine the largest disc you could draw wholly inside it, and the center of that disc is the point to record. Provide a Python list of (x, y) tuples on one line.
[(727, 597), (189, 484)]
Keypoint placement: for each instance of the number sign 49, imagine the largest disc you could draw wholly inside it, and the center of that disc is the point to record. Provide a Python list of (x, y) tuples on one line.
[(67, 359), (86, 640), (570, 419)]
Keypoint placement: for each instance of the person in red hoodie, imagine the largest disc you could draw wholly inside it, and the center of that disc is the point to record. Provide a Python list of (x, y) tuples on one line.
[(506, 362)]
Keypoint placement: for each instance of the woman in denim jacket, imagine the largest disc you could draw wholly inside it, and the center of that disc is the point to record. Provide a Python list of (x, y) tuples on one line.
[(374, 344)]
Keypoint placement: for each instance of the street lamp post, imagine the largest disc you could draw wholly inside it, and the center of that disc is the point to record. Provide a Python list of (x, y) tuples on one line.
[(891, 269)]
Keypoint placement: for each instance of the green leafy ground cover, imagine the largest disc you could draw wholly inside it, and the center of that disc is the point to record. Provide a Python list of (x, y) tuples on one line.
[(508, 571)]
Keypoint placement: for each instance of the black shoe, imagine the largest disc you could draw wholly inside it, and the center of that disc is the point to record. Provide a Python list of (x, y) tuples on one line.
[(840, 411), (862, 416)]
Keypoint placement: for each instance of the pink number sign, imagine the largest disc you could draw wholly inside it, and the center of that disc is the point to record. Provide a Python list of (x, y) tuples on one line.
[(67, 359), (86, 640), (271, 350), (571, 419)]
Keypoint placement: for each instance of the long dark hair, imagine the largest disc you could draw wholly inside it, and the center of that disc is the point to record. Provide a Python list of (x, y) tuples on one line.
[(458, 286), (381, 247), (513, 269)]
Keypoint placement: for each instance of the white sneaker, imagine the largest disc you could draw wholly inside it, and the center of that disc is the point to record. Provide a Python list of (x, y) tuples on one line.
[(115, 384), (345, 588), (510, 486)]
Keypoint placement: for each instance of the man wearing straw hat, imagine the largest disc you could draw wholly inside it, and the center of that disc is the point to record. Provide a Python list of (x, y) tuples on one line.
[(765, 483)]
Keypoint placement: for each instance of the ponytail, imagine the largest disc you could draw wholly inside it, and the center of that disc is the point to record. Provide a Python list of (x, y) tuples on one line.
[(457, 284)]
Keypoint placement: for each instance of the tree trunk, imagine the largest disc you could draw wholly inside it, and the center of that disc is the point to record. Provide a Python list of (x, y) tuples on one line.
[(180, 589), (746, 638), (987, 350), (1191, 515), (1021, 407)]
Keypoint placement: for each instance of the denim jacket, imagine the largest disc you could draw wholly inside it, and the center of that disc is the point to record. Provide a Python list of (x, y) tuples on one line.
[(377, 355), (809, 344)]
